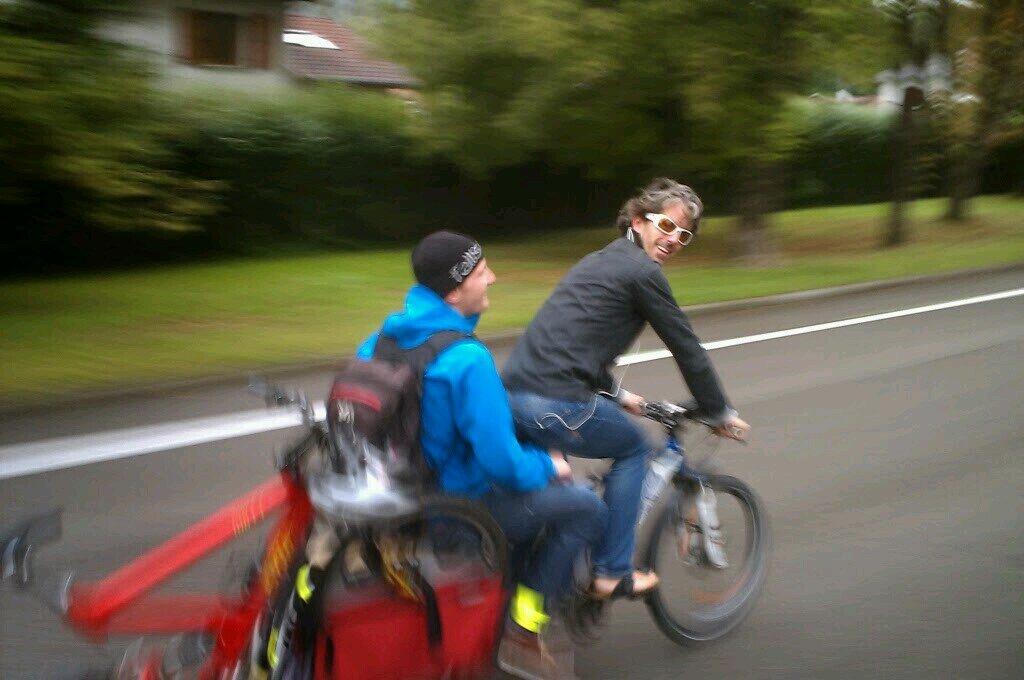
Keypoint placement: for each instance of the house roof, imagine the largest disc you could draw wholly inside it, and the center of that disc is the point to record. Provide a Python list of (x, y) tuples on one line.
[(351, 61)]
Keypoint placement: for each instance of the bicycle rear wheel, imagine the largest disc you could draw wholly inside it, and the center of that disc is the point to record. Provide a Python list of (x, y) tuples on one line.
[(697, 602), (456, 535), (449, 539), (451, 556)]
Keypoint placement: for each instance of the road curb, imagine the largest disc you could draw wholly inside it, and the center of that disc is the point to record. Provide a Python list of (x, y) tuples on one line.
[(493, 341)]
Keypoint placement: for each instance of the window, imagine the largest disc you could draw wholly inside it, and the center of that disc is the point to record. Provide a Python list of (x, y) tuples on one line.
[(213, 38), (222, 39)]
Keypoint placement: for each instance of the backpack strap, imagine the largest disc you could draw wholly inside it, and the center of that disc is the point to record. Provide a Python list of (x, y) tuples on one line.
[(420, 356), (418, 359)]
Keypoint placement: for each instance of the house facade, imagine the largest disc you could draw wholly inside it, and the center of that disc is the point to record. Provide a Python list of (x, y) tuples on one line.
[(231, 43)]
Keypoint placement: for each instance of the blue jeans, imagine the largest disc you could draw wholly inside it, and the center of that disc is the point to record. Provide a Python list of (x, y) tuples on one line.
[(598, 428), (548, 529)]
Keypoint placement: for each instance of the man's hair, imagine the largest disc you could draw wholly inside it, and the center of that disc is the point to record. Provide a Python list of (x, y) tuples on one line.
[(655, 197)]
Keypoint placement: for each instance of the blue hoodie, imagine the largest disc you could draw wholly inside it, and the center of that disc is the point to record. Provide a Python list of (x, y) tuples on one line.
[(467, 432)]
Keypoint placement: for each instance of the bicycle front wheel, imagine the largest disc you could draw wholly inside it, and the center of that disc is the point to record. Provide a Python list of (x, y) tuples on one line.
[(697, 600)]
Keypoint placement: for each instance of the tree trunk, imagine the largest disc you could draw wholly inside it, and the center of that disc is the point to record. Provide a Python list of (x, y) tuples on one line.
[(995, 55), (904, 166), (755, 244), (963, 184)]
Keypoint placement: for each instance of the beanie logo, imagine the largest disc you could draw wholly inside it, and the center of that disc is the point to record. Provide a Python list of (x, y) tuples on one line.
[(469, 260)]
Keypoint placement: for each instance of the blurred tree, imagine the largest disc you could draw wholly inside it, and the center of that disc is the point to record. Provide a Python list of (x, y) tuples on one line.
[(986, 106), (920, 31), (748, 61), (622, 89), (504, 81), (82, 150)]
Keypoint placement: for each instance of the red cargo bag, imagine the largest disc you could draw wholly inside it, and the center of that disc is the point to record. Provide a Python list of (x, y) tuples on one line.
[(380, 636)]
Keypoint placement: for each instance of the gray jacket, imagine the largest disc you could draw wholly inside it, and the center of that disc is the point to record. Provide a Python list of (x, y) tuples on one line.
[(594, 314)]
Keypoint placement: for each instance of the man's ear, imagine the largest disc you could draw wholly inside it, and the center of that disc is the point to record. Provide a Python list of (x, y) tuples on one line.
[(454, 297), (637, 222)]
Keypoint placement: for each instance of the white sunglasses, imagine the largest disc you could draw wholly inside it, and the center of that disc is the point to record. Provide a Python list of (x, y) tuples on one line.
[(667, 226)]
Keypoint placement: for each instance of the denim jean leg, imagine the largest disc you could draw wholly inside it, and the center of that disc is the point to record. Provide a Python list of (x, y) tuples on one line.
[(599, 428), (623, 485), (572, 518)]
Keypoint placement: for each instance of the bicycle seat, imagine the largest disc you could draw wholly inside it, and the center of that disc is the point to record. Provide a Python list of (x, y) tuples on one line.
[(343, 498)]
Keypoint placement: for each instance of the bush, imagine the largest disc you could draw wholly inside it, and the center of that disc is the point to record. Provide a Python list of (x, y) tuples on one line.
[(844, 156), (189, 173), (81, 152), (334, 166), (324, 166)]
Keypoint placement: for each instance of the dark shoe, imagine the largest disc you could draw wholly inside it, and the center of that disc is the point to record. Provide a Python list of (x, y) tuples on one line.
[(584, 618), (534, 656)]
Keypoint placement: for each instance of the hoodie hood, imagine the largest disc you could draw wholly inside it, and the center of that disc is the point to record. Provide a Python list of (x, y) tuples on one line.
[(425, 313)]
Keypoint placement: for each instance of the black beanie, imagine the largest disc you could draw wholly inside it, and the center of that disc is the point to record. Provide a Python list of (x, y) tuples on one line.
[(442, 260)]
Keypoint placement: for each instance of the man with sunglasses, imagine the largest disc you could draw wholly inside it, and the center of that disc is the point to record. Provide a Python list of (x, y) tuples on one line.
[(560, 389)]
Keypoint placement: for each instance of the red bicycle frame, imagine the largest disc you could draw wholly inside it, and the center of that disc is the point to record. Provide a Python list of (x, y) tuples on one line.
[(121, 603), (124, 602)]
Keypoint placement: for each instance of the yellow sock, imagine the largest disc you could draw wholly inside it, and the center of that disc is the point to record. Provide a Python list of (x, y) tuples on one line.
[(528, 609)]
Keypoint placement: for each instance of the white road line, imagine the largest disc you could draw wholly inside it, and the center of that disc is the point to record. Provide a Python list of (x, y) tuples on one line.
[(53, 454), (761, 337), (64, 452)]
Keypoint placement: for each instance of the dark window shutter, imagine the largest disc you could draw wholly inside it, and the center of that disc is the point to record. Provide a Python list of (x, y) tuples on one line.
[(186, 36), (215, 38), (258, 41)]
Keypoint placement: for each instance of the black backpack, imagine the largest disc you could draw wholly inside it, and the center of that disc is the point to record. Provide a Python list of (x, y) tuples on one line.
[(375, 406)]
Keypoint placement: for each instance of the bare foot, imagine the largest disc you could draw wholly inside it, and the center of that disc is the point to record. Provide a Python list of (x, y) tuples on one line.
[(643, 582)]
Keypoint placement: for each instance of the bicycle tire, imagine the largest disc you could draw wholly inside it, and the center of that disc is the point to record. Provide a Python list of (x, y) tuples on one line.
[(493, 550), (685, 611)]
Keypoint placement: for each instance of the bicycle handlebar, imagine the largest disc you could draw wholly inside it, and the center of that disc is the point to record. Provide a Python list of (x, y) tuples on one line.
[(671, 416), (668, 414), (275, 395)]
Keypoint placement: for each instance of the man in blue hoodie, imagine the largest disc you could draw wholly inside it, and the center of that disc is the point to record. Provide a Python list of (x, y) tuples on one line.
[(468, 438)]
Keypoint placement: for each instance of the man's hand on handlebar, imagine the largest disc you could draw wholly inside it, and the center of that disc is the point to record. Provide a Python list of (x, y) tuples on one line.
[(733, 427), (633, 403), (730, 426)]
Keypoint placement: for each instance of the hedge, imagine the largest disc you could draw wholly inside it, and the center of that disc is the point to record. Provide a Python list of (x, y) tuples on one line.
[(334, 166), (331, 166)]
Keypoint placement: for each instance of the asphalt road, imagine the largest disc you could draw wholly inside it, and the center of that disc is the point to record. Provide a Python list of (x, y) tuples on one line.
[(888, 454)]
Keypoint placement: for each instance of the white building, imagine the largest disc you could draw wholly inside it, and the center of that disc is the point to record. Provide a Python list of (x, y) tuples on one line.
[(934, 77), (233, 43)]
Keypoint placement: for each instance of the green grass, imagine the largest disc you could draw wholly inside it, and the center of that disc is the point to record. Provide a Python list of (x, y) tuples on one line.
[(112, 330)]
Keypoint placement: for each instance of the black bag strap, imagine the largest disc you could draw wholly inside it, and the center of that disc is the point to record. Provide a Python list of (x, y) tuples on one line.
[(435, 628), (420, 356)]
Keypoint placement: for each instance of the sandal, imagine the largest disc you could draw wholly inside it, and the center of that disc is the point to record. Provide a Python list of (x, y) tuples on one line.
[(624, 589)]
